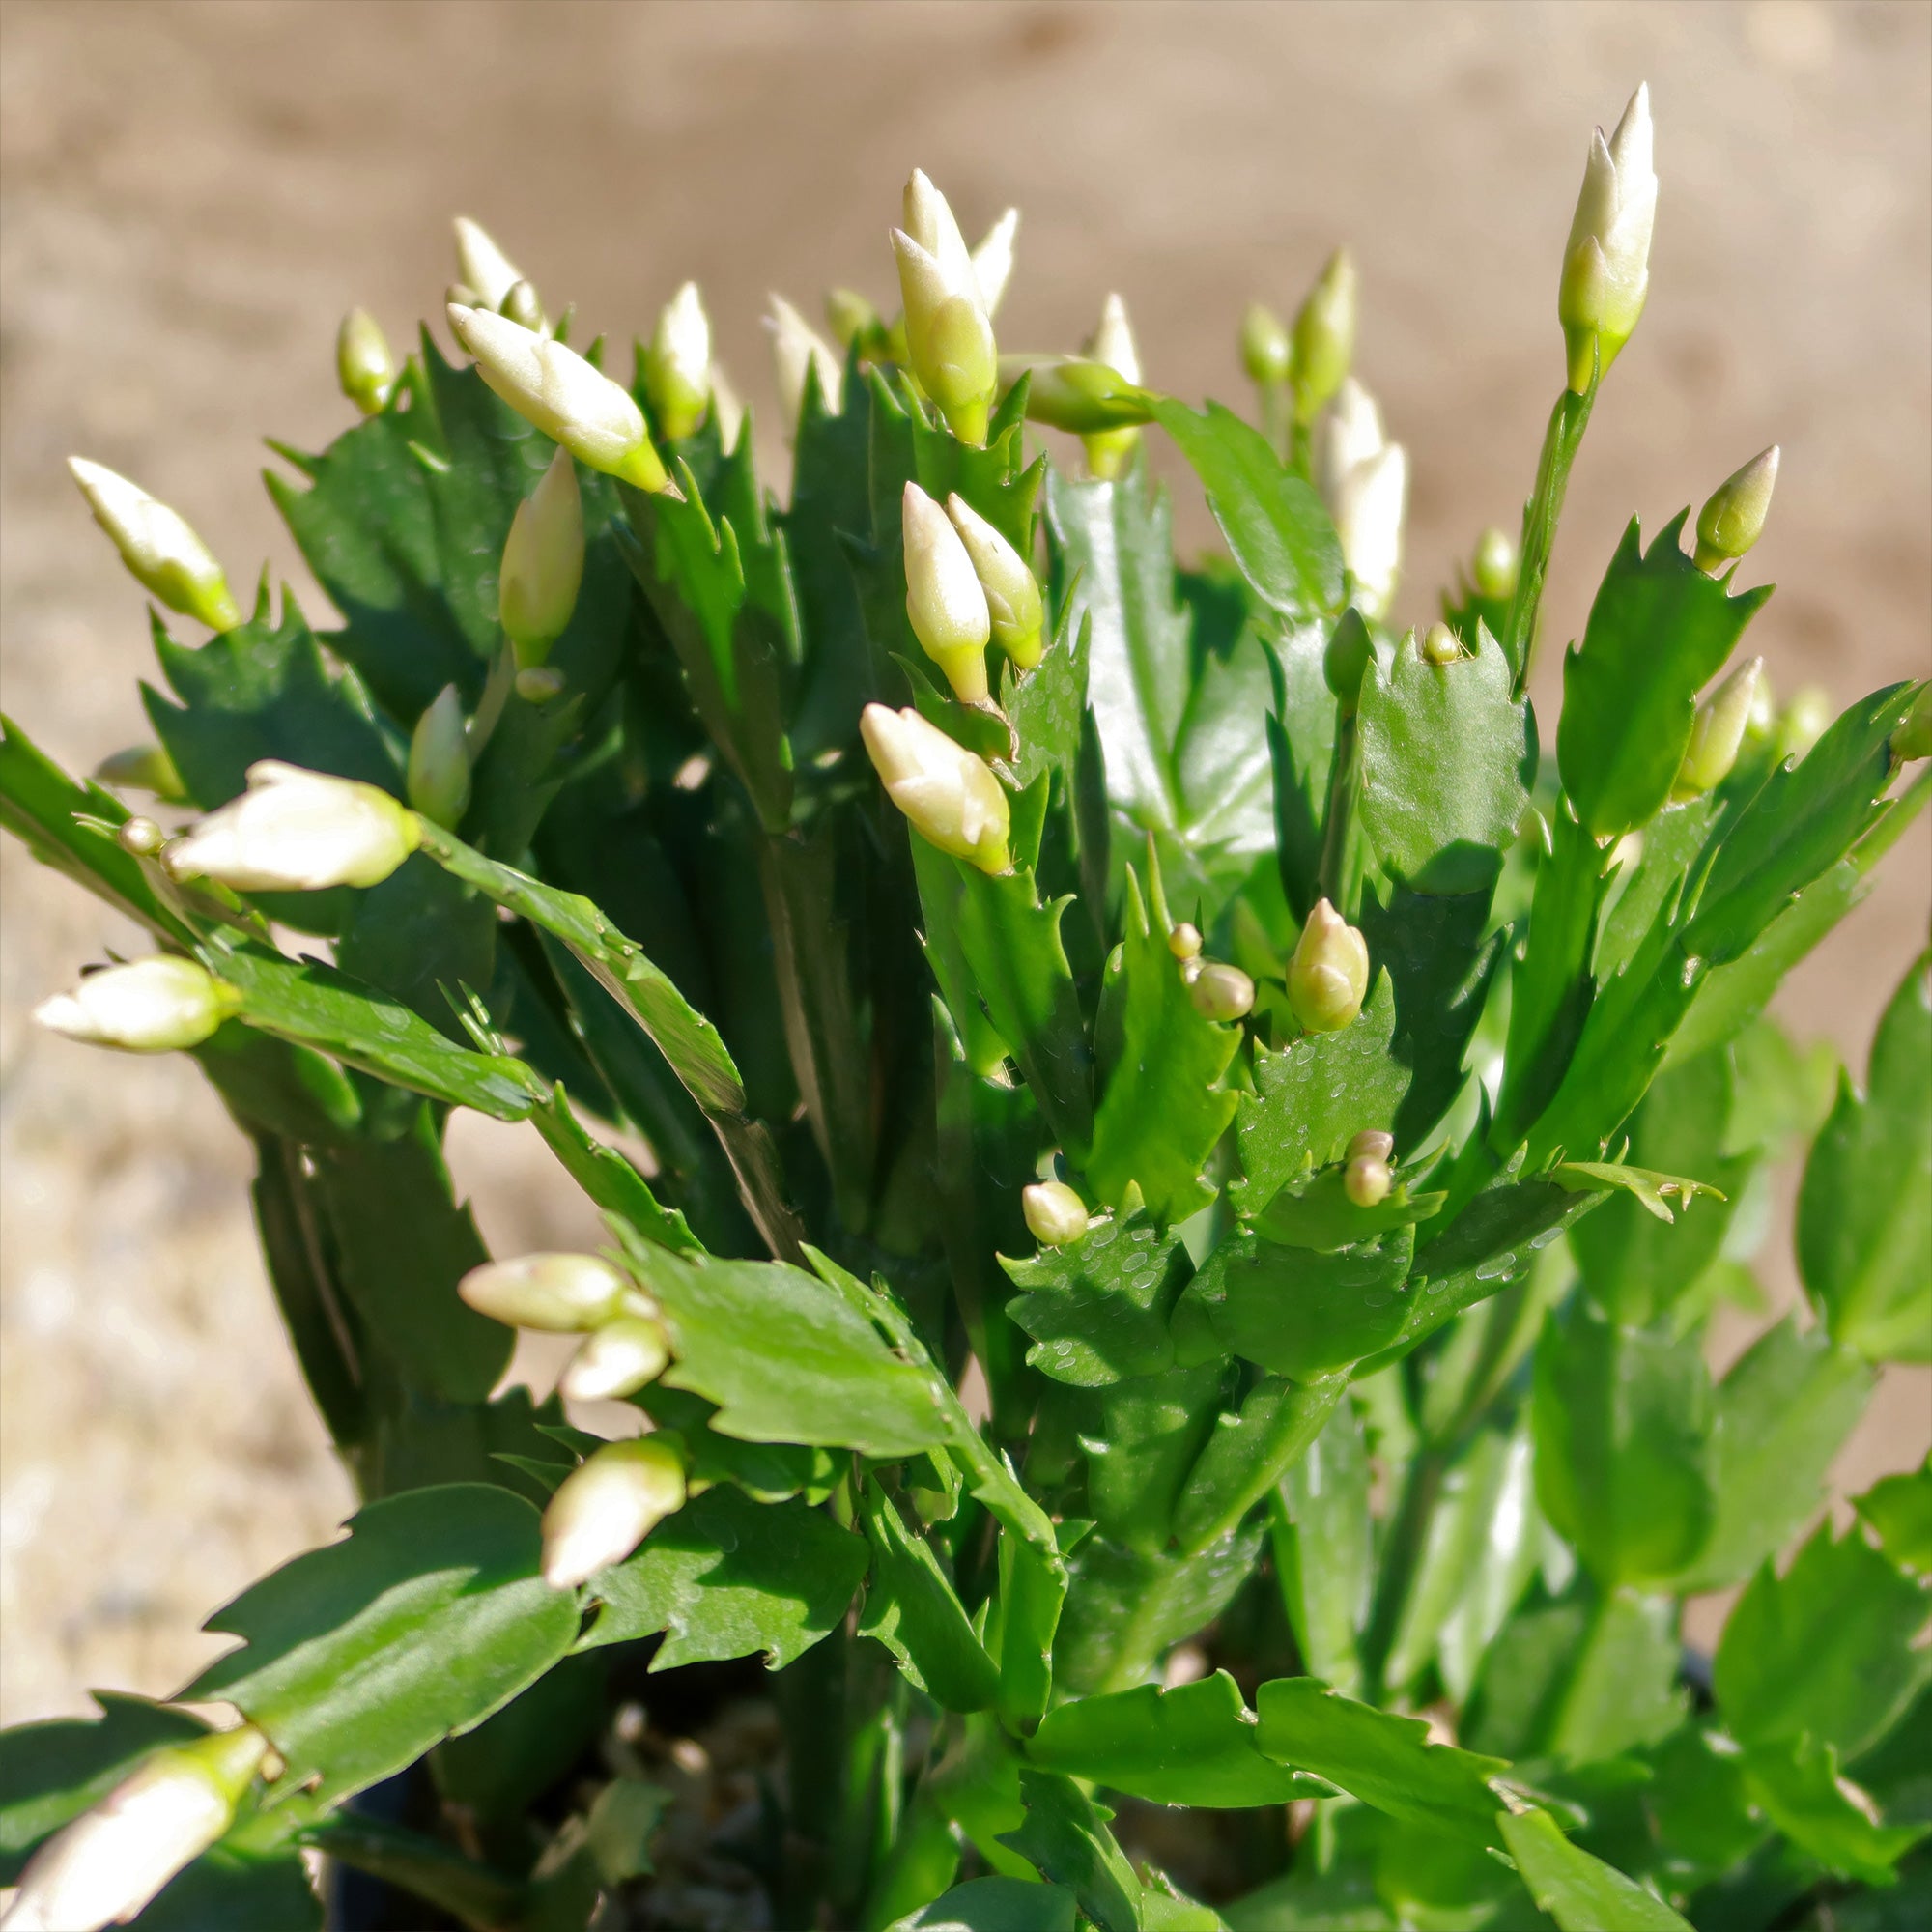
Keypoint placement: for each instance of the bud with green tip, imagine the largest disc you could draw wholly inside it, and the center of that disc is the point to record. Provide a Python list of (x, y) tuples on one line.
[(993, 260), (1112, 345), (677, 364), (1345, 661), (549, 384), (1804, 721), (1012, 593), (1072, 393), (1369, 512), (950, 796), (481, 264), (364, 364), (1266, 353), (543, 563), (1913, 737), (949, 330), (1733, 520), (1440, 645), (164, 1005), (1055, 1215), (143, 768), (796, 348), (1366, 1181), (943, 597), (1496, 565), (438, 769), (1324, 336), (1328, 976), (617, 1360), (561, 1294), (1607, 258), (297, 831), (156, 544), (606, 1506), (1221, 992), (1716, 733)]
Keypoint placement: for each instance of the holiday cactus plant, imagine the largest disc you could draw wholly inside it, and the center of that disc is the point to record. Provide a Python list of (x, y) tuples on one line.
[(1190, 1156)]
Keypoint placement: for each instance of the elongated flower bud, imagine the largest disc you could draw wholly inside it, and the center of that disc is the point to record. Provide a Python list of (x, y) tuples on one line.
[(943, 598), (728, 408), (294, 831), (1328, 976), (162, 1005), (1012, 593), (143, 768), (524, 306), (1351, 433), (952, 797), (796, 348), (929, 222), (1221, 992), (1366, 1181), (677, 365), (1367, 519), (1372, 1144), (1345, 660), (1495, 564), (482, 266), (993, 260), (112, 1860), (1112, 345), (949, 326), (439, 773), (561, 1294), (606, 1506), (1073, 393), (1266, 353), (1718, 733), (1733, 520), (543, 563), (617, 1360), (163, 553), (1055, 1214), (1607, 258), (1913, 737), (1324, 336), (552, 386), (364, 364)]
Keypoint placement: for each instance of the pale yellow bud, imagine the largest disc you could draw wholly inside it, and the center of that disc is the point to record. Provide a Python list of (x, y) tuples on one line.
[(140, 836), (364, 364), (1266, 354), (559, 1292), (950, 796), (1607, 258), (1221, 992), (1366, 1181), (993, 260), (1012, 593), (143, 768), (617, 1360), (297, 831), (1441, 645), (1804, 721), (1055, 1214), (606, 1506), (1369, 512), (525, 307), (482, 266), (1718, 733), (1183, 941), (1348, 436), (677, 364), (1324, 336), (162, 1005), (1372, 1144), (543, 563), (1328, 976), (796, 348), (948, 333), (1112, 345), (161, 552), (1733, 520), (944, 596), (438, 769), (1496, 565)]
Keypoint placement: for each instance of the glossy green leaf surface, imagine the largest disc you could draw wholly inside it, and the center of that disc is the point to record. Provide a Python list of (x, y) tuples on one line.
[(913, 1610), (1580, 1892), (1098, 1308), (1323, 1541), (1796, 1781), (1899, 1510), (995, 1905), (1065, 1838)]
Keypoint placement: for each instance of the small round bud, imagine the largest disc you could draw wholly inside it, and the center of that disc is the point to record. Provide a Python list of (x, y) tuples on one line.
[(538, 684), (140, 836), (524, 306), (1441, 645), (1806, 719), (677, 364), (1328, 975), (164, 1005), (1372, 1144), (143, 768), (543, 563), (1716, 733), (1366, 1181), (1324, 336), (1345, 660), (617, 1360), (945, 599), (297, 831), (1495, 564), (439, 768), (1221, 992), (1014, 604), (1733, 520), (1056, 1215), (1913, 737), (559, 1293), (1266, 354), (1183, 941), (952, 797), (606, 1506), (363, 363)]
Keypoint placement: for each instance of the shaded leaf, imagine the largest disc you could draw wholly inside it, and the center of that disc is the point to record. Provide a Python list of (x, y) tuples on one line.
[(913, 1610), (1796, 1781), (1580, 1892)]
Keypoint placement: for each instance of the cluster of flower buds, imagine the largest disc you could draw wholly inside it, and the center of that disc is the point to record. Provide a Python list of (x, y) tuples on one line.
[(158, 547), (1734, 518), (296, 831), (439, 768), (1364, 479), (110, 1861), (798, 350), (1323, 344), (1606, 260), (948, 320), (1112, 345), (607, 1505), (966, 585), (162, 1005), (626, 1346), (1056, 1216), (363, 363), (1719, 732), (1328, 975), (1365, 1177), (542, 569), (951, 795), (1218, 991)]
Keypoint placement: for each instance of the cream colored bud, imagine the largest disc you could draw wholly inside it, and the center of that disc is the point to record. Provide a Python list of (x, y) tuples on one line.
[(1717, 731), (728, 408), (561, 1294), (1372, 1144), (1441, 645), (796, 348), (944, 596), (159, 549), (162, 1005), (1183, 941), (606, 1506), (1349, 434), (1607, 258), (677, 364), (1112, 345), (543, 563), (1804, 721), (143, 768), (525, 307), (1366, 1181), (1055, 1214), (1495, 564), (993, 260), (438, 769), (1012, 593), (617, 1360), (1328, 976), (948, 333), (1913, 737), (851, 318), (1266, 353), (552, 386), (1733, 520), (929, 222), (1071, 393), (950, 796), (1221, 992), (296, 831), (1367, 519), (482, 266), (140, 836), (1324, 336), (363, 363)]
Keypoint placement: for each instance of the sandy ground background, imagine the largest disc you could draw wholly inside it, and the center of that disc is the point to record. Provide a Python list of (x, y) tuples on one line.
[(192, 194)]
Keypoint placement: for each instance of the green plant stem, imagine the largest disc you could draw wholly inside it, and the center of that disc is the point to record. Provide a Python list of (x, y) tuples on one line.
[(1540, 517), (1339, 873)]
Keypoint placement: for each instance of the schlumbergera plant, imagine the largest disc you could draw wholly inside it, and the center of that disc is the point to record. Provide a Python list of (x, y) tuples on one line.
[(1159, 1262)]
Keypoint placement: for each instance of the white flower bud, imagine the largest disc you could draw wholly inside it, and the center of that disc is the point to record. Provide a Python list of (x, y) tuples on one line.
[(1328, 976), (1349, 434), (1056, 1215), (438, 772), (796, 348), (948, 327), (617, 1360), (162, 1005), (543, 563), (1324, 336), (1366, 1181), (943, 597), (156, 544), (1607, 258), (364, 364), (1221, 992), (1112, 345), (952, 797), (677, 364), (1367, 519), (482, 266), (1013, 592), (563, 1293), (606, 1506), (993, 260), (1718, 733), (525, 307), (294, 831), (727, 407), (143, 768), (140, 836), (552, 386), (1372, 1144), (929, 222), (111, 1860), (1733, 520)]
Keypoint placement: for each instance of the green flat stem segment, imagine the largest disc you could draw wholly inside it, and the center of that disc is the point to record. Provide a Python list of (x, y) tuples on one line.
[(1561, 441)]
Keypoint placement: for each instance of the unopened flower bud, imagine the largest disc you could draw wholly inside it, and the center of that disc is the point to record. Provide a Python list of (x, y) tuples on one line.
[(1366, 1181), (1440, 645), (364, 364), (1368, 520), (1055, 1214), (1328, 976), (728, 408), (1495, 564), (561, 1294), (617, 1360), (1372, 1144), (1012, 593), (948, 327), (797, 348), (1112, 345), (950, 796), (538, 684), (943, 597), (438, 769), (543, 563), (482, 266), (140, 838), (1764, 709), (606, 1506), (524, 306), (1717, 732), (552, 386), (1345, 661), (143, 768), (163, 553), (108, 1863), (1913, 737), (1221, 992), (1183, 941), (1607, 258), (296, 831), (1324, 336), (1349, 435), (993, 260), (677, 364), (1806, 719), (852, 318), (1733, 520), (1072, 393), (162, 1005), (1266, 354)]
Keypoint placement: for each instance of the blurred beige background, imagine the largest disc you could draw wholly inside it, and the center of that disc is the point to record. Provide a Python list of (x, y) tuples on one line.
[(193, 193)]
